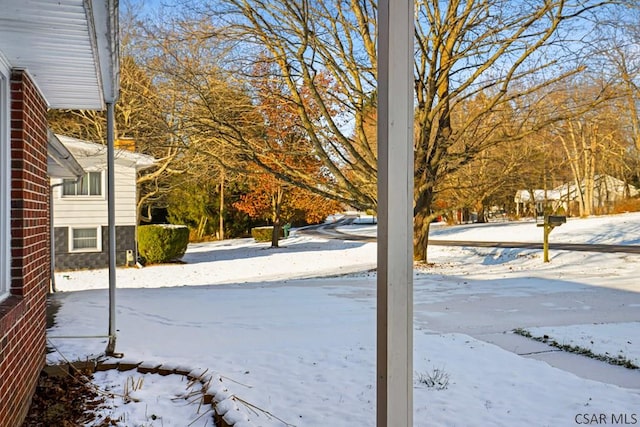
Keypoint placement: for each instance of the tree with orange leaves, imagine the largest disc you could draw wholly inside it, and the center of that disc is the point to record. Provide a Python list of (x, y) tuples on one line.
[(280, 203), (283, 149)]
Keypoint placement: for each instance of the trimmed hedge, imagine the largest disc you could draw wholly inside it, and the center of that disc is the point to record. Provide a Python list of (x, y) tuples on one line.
[(262, 234), (162, 243)]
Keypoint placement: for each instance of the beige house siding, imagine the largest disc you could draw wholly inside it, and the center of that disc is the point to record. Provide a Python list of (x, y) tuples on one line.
[(85, 211)]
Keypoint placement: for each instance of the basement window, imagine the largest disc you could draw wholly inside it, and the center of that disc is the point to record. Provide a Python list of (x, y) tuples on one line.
[(85, 239)]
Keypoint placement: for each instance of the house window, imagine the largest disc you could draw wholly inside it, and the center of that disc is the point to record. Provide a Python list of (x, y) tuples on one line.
[(5, 182), (89, 185), (85, 239)]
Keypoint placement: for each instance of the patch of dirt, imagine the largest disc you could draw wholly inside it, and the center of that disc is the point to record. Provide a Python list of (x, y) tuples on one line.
[(66, 401)]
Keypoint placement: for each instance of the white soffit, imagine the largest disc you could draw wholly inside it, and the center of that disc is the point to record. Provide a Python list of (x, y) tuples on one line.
[(68, 47)]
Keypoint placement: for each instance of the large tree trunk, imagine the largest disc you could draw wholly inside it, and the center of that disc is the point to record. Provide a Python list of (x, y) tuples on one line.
[(221, 211), (482, 213), (275, 235), (277, 221), (421, 238), (429, 153), (421, 221)]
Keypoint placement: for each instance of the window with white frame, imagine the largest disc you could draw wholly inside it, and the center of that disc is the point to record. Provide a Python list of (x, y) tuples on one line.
[(85, 239), (5, 182), (90, 185)]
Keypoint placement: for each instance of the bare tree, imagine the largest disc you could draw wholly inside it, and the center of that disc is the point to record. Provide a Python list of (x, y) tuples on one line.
[(511, 53), (618, 48), (594, 144), (505, 50), (325, 55)]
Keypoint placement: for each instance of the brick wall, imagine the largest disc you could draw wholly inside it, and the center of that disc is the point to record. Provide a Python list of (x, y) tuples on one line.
[(22, 315)]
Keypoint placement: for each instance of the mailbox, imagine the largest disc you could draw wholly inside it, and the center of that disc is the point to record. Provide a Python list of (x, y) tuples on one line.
[(550, 222), (556, 220)]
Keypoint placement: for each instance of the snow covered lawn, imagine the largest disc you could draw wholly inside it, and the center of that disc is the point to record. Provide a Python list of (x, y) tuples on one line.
[(292, 330)]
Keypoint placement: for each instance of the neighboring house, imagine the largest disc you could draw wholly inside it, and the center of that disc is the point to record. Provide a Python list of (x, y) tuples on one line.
[(607, 190), (80, 207), (54, 54), (531, 203)]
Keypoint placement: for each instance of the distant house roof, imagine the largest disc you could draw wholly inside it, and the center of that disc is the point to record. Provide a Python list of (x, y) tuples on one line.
[(60, 161), (606, 187), (524, 196), (603, 184), (69, 48), (85, 149)]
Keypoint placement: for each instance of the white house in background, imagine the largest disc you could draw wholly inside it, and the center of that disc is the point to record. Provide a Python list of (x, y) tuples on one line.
[(529, 203), (607, 190), (80, 206)]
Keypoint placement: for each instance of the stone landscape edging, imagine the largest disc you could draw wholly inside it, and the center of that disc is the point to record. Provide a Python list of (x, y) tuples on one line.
[(226, 411)]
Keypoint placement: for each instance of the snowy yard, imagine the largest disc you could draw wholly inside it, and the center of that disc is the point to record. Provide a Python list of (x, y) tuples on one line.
[(292, 330)]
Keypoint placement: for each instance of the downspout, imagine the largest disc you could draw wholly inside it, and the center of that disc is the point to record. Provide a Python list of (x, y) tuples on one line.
[(111, 346), (52, 238)]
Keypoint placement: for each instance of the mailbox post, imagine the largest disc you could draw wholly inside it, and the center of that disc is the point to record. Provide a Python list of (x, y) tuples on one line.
[(550, 222)]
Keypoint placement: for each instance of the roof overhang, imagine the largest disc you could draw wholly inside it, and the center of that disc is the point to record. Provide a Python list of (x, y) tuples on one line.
[(68, 47), (61, 163), (81, 149)]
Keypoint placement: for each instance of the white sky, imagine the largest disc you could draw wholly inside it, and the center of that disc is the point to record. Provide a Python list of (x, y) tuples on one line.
[(286, 330)]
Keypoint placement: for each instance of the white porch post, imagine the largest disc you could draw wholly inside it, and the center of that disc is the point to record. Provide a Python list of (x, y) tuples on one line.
[(395, 214)]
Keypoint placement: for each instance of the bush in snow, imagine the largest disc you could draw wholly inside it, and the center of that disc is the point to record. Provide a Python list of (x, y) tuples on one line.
[(263, 234), (162, 243)]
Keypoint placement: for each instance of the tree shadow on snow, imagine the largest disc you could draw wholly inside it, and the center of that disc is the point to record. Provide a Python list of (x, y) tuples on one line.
[(216, 251)]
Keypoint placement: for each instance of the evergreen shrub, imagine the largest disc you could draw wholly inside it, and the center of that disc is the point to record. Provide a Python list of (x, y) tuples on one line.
[(262, 234), (162, 243)]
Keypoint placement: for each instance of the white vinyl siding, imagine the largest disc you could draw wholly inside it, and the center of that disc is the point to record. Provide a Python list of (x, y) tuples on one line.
[(91, 211), (5, 182), (90, 185), (85, 239)]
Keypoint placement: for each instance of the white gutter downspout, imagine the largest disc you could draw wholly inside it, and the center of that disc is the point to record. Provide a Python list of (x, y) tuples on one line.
[(111, 346), (102, 16), (52, 238)]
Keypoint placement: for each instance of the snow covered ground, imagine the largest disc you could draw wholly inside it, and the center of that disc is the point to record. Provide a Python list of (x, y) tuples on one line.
[(292, 330)]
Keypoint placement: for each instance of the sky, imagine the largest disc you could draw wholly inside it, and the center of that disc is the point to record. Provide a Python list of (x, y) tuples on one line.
[(287, 336)]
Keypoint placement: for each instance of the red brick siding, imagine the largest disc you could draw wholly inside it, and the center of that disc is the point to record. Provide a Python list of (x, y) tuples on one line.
[(22, 315)]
